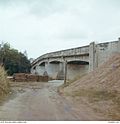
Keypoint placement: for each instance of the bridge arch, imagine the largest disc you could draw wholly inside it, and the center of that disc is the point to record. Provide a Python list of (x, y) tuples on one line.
[(51, 60), (76, 68), (79, 62), (55, 69), (40, 68), (55, 62), (33, 69), (42, 64), (79, 59)]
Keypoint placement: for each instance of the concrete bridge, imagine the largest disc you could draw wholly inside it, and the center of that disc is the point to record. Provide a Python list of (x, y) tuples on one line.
[(78, 61)]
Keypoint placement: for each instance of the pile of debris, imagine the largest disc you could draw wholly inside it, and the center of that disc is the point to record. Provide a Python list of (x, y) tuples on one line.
[(31, 78), (23, 77), (19, 77)]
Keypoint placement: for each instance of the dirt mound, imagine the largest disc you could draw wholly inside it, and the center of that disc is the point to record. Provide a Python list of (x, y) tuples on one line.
[(4, 83), (100, 88)]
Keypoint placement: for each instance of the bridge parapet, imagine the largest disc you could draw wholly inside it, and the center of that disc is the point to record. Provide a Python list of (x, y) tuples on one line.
[(63, 53)]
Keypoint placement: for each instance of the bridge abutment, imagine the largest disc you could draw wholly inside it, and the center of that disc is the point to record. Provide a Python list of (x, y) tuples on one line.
[(93, 56)]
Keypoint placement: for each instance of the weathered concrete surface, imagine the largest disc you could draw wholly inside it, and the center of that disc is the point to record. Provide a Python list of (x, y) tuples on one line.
[(40, 101), (100, 53), (94, 54), (53, 69), (76, 70), (55, 62)]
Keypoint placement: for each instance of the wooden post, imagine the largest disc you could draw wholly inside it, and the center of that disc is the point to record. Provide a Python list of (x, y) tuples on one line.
[(65, 76)]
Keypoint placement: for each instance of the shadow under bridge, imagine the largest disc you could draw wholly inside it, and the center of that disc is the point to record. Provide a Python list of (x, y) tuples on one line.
[(76, 69)]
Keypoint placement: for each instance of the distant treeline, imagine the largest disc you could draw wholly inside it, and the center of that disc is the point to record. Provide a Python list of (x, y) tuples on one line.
[(13, 60)]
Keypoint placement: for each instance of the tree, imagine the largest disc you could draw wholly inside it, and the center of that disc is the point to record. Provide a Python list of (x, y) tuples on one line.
[(13, 60)]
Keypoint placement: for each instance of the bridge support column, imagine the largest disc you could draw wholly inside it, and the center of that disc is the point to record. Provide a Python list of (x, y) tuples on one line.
[(61, 71), (93, 56), (33, 70), (118, 45)]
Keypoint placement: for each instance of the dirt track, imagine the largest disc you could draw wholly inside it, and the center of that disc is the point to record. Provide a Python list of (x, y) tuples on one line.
[(40, 101)]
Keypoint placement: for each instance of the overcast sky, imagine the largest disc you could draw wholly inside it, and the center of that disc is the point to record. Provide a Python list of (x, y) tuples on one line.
[(42, 26)]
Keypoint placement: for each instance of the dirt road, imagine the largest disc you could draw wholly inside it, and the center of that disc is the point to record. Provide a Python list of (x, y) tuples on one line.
[(40, 101)]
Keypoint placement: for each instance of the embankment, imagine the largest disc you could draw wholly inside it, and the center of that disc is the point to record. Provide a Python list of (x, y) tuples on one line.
[(99, 89)]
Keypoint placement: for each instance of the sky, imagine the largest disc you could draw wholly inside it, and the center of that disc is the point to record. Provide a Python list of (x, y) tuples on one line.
[(43, 26)]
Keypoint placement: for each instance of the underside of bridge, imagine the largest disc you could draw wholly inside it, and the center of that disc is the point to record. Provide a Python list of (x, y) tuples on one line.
[(76, 69), (40, 69), (56, 69)]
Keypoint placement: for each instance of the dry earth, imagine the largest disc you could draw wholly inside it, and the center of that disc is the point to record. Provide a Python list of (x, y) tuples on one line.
[(41, 101), (100, 89)]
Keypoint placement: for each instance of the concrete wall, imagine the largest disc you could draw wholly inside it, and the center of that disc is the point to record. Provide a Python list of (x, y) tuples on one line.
[(105, 50), (99, 53), (92, 56), (95, 54), (53, 70)]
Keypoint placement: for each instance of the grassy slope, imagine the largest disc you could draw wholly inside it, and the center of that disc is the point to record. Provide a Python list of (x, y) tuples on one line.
[(100, 88)]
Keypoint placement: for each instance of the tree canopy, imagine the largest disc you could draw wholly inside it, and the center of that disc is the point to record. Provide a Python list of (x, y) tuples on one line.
[(13, 60)]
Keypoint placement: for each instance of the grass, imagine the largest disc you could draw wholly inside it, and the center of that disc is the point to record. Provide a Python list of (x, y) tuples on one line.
[(95, 96), (68, 82), (115, 111), (4, 83), (75, 79)]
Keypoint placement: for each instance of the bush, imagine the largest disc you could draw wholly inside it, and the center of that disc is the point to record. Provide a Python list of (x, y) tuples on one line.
[(13, 60)]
